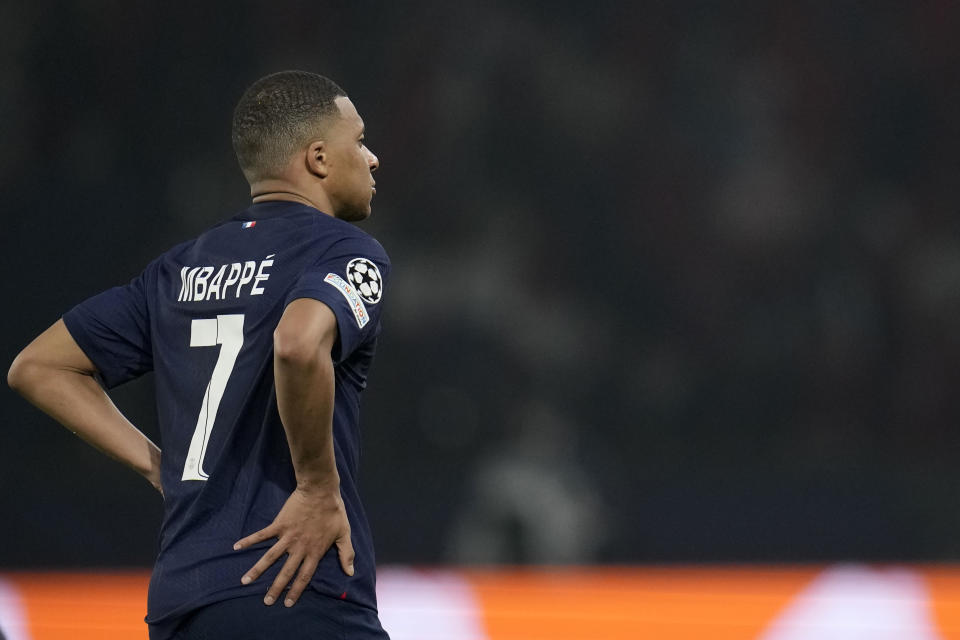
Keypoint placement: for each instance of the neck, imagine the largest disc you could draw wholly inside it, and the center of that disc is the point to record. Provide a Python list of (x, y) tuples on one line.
[(290, 196), (267, 190)]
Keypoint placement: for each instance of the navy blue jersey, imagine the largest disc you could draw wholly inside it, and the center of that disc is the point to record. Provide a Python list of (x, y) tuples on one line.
[(202, 317)]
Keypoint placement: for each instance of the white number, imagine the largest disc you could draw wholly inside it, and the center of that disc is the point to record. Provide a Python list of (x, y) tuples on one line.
[(226, 331)]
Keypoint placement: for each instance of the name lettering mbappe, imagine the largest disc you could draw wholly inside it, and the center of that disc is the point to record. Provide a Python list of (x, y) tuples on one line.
[(198, 284)]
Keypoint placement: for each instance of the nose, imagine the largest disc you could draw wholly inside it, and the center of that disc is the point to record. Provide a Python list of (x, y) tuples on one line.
[(372, 161)]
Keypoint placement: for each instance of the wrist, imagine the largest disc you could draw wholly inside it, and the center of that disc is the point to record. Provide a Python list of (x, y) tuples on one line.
[(319, 484)]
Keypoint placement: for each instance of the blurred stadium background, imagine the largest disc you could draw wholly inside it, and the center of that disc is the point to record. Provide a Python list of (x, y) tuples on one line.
[(676, 284)]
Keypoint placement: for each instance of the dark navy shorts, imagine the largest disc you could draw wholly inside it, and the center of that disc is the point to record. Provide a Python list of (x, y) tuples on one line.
[(314, 617)]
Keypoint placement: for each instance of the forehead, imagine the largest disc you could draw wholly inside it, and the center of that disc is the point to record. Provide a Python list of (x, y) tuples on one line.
[(349, 118)]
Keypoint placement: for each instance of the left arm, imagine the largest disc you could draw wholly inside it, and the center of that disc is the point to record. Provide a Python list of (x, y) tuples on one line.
[(54, 374), (314, 517)]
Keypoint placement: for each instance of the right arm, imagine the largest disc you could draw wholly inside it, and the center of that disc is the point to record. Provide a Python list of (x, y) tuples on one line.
[(54, 374), (314, 517)]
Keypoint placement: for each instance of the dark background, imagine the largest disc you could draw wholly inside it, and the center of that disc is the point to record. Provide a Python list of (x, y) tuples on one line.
[(672, 281)]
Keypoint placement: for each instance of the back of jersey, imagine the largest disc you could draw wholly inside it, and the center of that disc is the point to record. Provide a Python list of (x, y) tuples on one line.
[(202, 317)]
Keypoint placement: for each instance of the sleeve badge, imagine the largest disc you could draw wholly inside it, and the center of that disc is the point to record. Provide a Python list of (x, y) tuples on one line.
[(364, 275)]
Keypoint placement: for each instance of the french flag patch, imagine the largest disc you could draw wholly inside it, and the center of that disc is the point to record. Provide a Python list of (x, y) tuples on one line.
[(250, 225)]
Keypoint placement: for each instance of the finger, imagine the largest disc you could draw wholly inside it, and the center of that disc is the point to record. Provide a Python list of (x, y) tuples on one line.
[(283, 578), (264, 534), (304, 576), (345, 552), (265, 562)]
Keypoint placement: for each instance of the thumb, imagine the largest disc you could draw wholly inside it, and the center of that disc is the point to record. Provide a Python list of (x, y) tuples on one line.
[(345, 552)]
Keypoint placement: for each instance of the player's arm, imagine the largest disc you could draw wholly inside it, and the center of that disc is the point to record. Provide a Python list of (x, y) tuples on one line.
[(314, 517), (54, 374)]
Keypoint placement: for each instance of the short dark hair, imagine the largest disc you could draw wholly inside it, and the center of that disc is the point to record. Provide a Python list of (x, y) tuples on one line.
[(277, 115)]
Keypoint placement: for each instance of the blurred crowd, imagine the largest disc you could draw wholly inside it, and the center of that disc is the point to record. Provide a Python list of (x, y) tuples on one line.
[(672, 281)]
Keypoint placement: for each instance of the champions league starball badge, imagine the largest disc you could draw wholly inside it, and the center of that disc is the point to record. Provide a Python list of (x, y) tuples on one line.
[(364, 275)]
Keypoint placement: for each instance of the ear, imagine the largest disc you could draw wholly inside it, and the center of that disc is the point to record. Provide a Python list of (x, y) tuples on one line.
[(315, 158)]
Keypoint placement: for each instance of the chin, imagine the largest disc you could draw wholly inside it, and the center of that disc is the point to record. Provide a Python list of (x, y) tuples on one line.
[(354, 215)]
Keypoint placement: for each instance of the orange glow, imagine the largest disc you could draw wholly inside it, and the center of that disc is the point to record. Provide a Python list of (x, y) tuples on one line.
[(626, 604)]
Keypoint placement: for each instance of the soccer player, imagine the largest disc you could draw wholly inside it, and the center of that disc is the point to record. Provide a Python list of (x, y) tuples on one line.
[(260, 332)]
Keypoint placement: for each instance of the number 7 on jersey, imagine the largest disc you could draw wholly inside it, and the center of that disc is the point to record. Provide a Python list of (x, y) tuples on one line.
[(226, 331)]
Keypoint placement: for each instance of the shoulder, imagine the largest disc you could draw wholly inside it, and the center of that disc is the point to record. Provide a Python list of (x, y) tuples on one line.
[(173, 257), (342, 237), (171, 254)]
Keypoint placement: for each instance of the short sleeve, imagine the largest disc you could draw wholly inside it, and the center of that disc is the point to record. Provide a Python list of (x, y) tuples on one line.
[(350, 278), (113, 330)]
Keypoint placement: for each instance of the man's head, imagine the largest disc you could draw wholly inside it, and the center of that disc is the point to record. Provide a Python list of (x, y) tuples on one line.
[(298, 132)]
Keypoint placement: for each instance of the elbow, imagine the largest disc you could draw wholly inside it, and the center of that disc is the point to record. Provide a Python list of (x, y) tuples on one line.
[(21, 373), (14, 376)]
